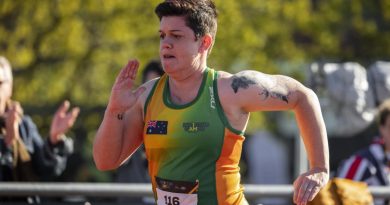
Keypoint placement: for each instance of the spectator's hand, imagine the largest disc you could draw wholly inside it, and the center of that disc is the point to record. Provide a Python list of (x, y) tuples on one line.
[(13, 116), (122, 97), (62, 121), (308, 184)]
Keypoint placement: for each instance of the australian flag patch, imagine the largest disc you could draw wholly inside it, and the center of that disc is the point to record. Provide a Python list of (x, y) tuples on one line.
[(157, 127)]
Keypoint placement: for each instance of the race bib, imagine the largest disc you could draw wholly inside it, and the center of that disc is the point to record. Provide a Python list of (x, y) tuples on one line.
[(171, 192)]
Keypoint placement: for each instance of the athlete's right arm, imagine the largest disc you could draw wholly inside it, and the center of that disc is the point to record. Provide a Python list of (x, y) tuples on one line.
[(120, 132)]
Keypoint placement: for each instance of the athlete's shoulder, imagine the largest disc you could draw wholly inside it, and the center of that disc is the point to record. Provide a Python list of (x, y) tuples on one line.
[(230, 82), (223, 74), (229, 77), (226, 94), (223, 78)]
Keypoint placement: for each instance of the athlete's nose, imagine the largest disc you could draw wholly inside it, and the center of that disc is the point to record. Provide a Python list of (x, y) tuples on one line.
[(166, 44)]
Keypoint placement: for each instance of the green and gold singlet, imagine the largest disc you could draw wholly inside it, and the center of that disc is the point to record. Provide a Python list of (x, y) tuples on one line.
[(193, 152)]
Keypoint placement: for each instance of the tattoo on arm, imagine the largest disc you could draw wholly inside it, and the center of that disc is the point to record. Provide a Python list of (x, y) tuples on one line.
[(244, 80), (276, 95), (241, 82), (120, 116)]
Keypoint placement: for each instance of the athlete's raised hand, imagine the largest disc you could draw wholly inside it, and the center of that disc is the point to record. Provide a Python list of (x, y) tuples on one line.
[(308, 184), (123, 97)]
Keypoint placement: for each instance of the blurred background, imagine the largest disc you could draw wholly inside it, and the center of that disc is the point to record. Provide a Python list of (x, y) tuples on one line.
[(74, 49)]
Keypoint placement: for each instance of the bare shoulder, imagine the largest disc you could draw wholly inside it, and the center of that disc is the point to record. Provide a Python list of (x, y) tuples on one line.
[(225, 92), (224, 81)]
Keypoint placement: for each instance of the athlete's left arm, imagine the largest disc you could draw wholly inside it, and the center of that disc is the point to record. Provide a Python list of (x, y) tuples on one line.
[(256, 91)]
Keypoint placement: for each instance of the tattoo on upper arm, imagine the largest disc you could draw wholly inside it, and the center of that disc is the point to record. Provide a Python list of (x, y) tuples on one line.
[(243, 80), (276, 95)]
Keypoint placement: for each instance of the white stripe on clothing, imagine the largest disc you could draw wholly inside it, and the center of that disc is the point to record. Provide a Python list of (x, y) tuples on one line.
[(360, 170)]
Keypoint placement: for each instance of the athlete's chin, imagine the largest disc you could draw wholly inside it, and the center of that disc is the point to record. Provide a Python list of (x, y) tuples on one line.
[(169, 67), (168, 61)]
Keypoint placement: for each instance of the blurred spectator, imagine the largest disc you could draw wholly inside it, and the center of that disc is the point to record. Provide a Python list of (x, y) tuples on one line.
[(371, 164), (152, 70), (135, 169), (24, 154)]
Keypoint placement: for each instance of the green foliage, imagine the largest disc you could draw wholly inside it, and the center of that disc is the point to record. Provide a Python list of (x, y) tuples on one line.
[(74, 49)]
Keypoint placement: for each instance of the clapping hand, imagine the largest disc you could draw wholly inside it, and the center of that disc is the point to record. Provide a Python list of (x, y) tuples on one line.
[(13, 117), (62, 121)]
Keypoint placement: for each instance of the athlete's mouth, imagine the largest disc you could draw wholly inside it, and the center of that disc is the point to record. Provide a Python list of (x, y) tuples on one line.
[(167, 56)]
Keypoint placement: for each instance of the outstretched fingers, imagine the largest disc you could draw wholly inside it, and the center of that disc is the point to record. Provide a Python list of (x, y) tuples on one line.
[(72, 116), (62, 121), (63, 108), (134, 64), (62, 113), (127, 76), (129, 71)]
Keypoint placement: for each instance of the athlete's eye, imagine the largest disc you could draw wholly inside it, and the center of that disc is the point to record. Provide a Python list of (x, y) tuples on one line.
[(162, 36), (176, 36)]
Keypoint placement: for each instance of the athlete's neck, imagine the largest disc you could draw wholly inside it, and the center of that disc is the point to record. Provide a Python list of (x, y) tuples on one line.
[(186, 89)]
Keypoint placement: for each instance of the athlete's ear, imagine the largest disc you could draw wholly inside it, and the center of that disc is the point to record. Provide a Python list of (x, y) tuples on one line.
[(207, 41)]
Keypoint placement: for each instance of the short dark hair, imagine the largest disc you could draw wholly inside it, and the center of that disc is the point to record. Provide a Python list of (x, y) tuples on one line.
[(152, 66), (384, 112), (201, 15)]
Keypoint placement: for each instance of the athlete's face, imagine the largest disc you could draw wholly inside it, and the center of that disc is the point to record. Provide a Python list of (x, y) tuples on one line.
[(385, 132), (179, 51)]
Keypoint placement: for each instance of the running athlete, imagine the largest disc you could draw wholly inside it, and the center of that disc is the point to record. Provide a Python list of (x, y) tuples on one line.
[(192, 119)]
